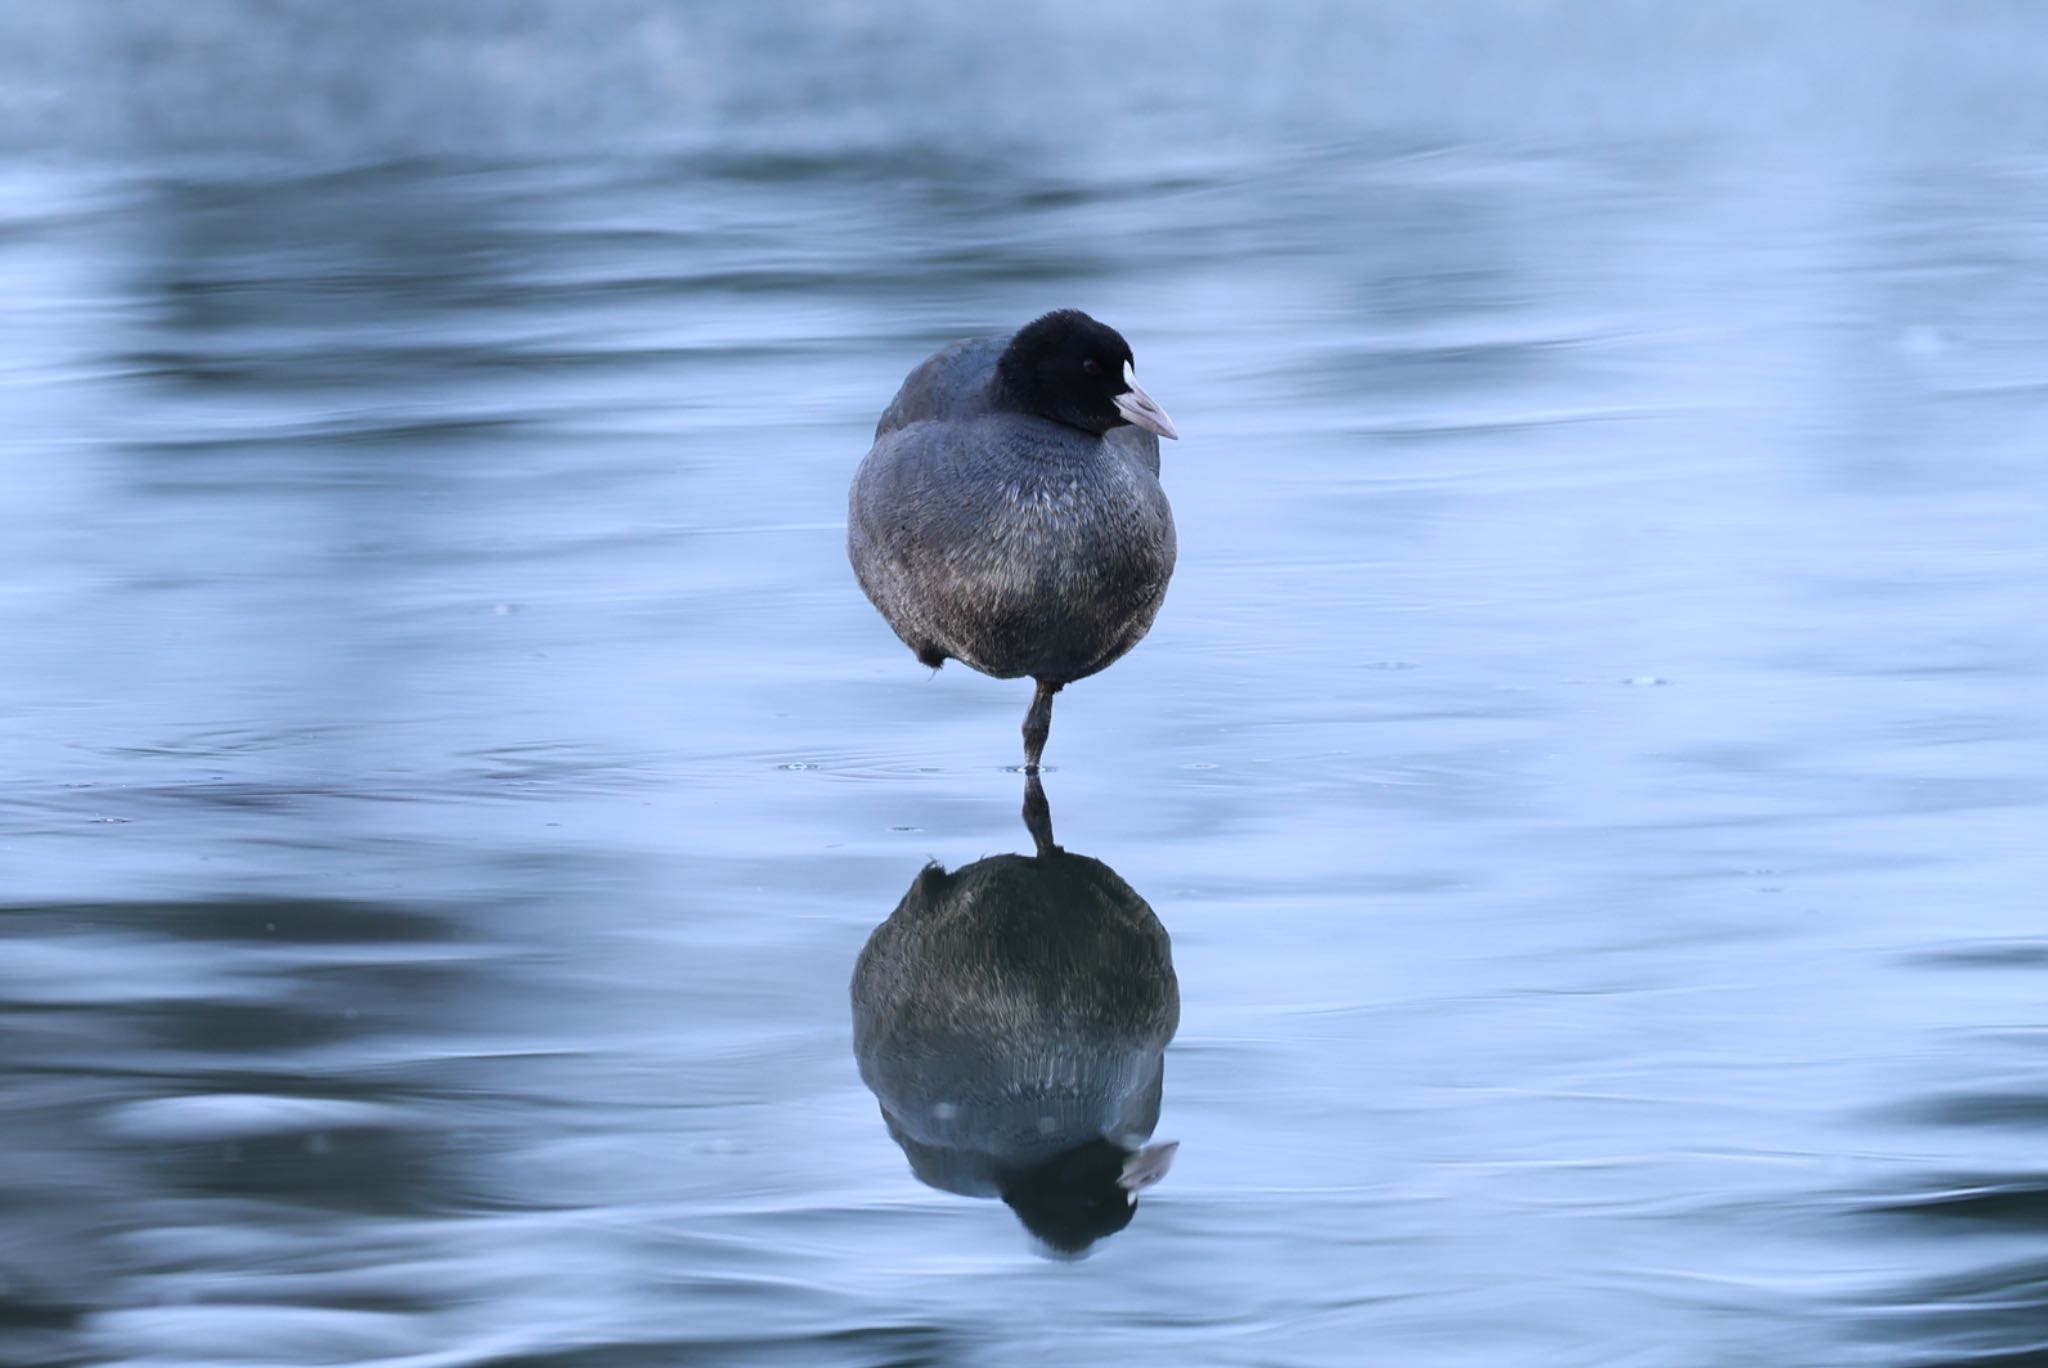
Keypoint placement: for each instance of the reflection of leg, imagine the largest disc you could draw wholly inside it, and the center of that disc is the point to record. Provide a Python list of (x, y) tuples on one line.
[(1037, 723), (1038, 815)]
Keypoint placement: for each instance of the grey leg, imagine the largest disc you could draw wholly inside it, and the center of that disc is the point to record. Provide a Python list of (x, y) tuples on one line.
[(1037, 723), (1038, 816)]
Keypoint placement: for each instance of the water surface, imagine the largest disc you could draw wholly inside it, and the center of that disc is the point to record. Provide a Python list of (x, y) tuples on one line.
[(1589, 764)]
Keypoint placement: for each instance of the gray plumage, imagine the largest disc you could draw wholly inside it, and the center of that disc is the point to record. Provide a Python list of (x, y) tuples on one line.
[(1011, 1018), (1010, 516)]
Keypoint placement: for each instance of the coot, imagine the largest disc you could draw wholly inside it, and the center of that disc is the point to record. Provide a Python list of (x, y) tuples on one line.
[(1012, 1019), (1009, 515)]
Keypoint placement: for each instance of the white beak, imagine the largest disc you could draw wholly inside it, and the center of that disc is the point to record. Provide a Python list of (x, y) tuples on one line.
[(1138, 408)]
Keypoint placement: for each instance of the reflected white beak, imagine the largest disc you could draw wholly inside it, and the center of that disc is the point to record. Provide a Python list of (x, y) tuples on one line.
[(1137, 407), (1146, 1167)]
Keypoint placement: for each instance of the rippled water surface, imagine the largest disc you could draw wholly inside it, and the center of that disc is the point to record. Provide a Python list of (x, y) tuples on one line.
[(1590, 765)]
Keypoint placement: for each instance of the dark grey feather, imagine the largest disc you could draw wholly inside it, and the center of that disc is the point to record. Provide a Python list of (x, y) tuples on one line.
[(1011, 1018), (1011, 542)]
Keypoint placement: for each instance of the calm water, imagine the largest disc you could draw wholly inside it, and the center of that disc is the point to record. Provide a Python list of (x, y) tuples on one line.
[(1590, 765)]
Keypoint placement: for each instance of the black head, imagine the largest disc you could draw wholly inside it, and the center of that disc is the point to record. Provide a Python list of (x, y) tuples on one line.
[(1067, 367), (1074, 1199)]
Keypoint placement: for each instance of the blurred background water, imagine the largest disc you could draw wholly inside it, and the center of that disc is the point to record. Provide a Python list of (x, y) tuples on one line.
[(1590, 763)]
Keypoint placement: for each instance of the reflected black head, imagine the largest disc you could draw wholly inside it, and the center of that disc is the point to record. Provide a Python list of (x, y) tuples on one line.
[(1066, 367), (1073, 1199)]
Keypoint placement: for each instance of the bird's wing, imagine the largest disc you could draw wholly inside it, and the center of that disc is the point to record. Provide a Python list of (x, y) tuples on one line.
[(947, 384), (1137, 444)]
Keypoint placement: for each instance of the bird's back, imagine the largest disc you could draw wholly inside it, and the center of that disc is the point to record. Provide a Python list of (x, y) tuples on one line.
[(950, 383)]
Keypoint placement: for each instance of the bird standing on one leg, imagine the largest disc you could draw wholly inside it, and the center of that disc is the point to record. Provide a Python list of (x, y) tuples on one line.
[(1009, 514)]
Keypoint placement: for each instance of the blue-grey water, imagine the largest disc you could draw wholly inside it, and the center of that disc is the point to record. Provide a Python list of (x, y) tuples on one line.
[(1592, 763)]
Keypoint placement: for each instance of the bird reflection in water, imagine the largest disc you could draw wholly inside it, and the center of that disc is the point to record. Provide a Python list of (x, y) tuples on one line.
[(1012, 1018)]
